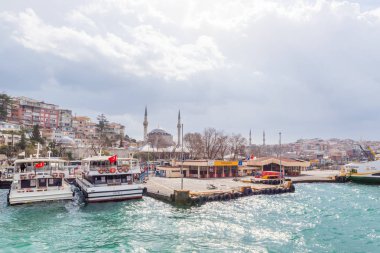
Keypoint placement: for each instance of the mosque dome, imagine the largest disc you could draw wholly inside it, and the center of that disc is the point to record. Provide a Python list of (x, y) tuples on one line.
[(159, 131), (66, 141)]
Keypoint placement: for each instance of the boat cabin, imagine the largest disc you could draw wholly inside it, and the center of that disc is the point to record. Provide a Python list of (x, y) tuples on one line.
[(100, 171), (40, 174)]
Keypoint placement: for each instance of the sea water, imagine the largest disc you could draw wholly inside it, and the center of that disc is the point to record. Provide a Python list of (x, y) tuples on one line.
[(316, 218)]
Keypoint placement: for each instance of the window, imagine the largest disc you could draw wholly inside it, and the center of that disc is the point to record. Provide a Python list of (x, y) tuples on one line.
[(28, 183), (55, 182), (42, 182)]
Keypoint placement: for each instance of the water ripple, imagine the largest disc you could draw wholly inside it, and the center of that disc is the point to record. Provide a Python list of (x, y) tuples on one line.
[(316, 218)]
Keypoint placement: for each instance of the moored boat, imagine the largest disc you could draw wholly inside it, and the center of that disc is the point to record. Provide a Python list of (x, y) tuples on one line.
[(6, 177), (39, 179), (367, 173), (107, 178)]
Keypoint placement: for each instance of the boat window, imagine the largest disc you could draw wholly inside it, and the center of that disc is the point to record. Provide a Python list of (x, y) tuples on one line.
[(42, 182), (376, 174), (100, 180), (28, 183), (114, 179), (55, 182)]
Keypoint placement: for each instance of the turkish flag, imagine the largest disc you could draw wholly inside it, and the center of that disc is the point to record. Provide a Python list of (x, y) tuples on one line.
[(39, 165), (112, 159)]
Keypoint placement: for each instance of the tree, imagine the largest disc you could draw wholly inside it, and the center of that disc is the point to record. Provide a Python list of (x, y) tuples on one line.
[(194, 143), (215, 143), (5, 101), (101, 129), (36, 135), (237, 145), (22, 144)]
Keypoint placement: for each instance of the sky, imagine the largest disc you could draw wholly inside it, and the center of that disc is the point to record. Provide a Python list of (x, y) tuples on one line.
[(309, 69)]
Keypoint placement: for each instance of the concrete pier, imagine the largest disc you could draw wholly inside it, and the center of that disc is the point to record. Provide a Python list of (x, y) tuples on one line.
[(316, 176), (201, 190)]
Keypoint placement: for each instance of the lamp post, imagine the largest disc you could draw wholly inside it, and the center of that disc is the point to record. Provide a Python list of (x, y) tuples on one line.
[(182, 159), (282, 175), (147, 163)]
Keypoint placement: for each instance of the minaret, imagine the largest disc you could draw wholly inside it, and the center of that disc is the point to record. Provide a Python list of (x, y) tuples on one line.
[(145, 124), (179, 128), (250, 137), (263, 138)]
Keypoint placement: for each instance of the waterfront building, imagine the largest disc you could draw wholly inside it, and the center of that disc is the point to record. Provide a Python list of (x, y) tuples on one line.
[(209, 168), (292, 167)]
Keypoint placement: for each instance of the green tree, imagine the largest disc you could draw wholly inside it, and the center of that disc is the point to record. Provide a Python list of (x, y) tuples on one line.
[(22, 144), (101, 129), (5, 101), (36, 135)]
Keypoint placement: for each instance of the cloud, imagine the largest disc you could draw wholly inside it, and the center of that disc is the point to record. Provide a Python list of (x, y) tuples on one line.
[(150, 52), (307, 68)]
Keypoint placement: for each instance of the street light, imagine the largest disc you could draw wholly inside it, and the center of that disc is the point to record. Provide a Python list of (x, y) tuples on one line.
[(182, 160), (282, 176)]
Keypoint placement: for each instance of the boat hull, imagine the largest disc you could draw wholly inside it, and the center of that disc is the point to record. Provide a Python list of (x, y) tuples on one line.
[(365, 179), (16, 198), (95, 194)]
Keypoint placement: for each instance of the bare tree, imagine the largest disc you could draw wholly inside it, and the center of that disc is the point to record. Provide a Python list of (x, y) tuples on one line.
[(237, 145), (223, 145), (194, 143), (215, 143)]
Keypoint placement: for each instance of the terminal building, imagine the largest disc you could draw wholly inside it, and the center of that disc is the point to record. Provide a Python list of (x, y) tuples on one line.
[(202, 169), (292, 167)]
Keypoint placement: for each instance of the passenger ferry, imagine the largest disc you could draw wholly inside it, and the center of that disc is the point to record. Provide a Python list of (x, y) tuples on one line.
[(39, 179), (6, 177), (368, 173), (107, 178)]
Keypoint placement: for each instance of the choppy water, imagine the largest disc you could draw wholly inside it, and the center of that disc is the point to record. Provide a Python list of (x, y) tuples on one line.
[(317, 218)]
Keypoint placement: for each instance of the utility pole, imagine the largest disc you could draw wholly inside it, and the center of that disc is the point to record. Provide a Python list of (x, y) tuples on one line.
[(282, 175), (182, 159)]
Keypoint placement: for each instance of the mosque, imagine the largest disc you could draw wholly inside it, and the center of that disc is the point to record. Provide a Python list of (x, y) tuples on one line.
[(158, 137), (159, 144)]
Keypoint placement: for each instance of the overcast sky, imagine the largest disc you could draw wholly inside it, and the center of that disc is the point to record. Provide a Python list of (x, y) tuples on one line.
[(306, 68)]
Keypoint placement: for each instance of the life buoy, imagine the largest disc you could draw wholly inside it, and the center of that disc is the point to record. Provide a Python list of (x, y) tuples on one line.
[(61, 175), (112, 170), (32, 176), (120, 170), (55, 174), (100, 171), (107, 171)]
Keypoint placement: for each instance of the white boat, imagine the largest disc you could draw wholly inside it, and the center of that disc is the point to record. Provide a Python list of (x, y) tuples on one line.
[(367, 173), (6, 177), (104, 181), (39, 179)]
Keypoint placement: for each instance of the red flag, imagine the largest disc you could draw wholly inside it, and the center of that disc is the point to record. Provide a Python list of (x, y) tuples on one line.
[(252, 157), (112, 159), (39, 165)]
